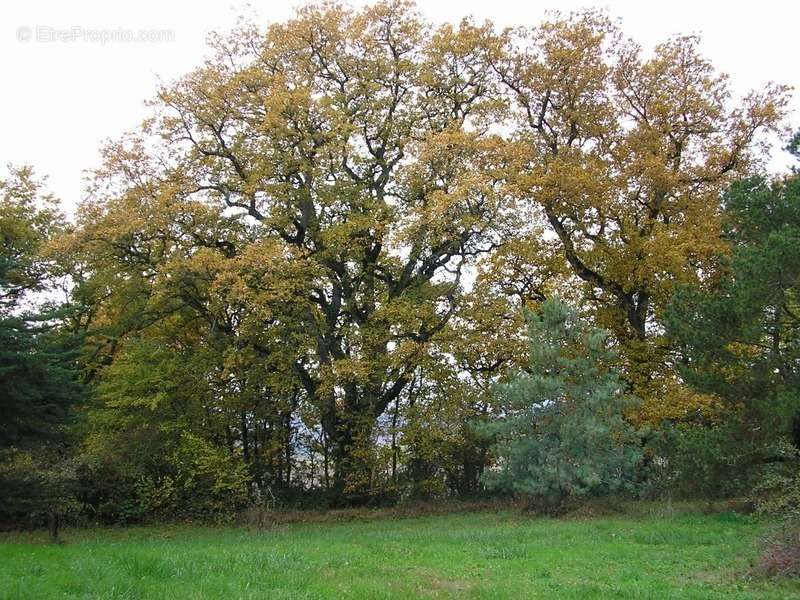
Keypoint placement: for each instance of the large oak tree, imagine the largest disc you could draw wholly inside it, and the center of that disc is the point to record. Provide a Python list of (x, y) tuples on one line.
[(338, 218), (353, 145)]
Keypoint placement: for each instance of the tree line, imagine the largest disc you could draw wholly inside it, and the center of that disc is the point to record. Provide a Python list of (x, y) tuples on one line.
[(359, 258)]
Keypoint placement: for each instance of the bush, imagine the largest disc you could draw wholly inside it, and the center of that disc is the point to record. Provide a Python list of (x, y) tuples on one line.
[(37, 489), (211, 483), (777, 493), (189, 478), (705, 461)]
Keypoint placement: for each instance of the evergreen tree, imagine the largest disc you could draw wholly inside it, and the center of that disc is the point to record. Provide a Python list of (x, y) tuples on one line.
[(38, 375), (37, 378), (563, 434), (739, 340)]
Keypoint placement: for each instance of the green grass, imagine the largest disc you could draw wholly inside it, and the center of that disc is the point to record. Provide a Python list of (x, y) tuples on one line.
[(478, 555)]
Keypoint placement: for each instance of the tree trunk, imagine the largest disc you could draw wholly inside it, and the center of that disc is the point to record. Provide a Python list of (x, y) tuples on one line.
[(394, 439), (53, 524), (245, 442), (351, 481)]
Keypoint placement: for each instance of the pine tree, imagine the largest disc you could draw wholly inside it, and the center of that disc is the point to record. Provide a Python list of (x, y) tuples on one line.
[(738, 340), (38, 373), (563, 434)]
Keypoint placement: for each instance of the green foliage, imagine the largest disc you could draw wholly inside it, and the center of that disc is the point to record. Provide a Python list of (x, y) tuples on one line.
[(187, 478), (39, 379), (201, 482), (39, 376), (37, 362), (28, 218), (146, 457), (778, 490), (305, 274), (563, 434), (739, 339), (35, 485), (705, 460)]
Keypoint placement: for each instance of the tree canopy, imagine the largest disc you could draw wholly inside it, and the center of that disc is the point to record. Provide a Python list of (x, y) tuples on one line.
[(308, 269)]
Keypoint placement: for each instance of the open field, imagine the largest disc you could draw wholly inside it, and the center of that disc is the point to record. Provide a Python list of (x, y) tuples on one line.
[(654, 553)]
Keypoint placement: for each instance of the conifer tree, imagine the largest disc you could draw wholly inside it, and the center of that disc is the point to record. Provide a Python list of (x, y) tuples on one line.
[(563, 434)]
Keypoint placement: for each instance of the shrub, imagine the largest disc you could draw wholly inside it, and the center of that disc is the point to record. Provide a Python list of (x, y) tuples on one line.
[(708, 461), (37, 489), (211, 483), (188, 478), (777, 493)]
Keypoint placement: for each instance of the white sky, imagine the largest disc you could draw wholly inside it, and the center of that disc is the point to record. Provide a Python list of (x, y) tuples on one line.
[(61, 99)]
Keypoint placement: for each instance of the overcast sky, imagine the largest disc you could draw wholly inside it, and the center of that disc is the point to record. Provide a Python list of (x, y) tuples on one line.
[(67, 86)]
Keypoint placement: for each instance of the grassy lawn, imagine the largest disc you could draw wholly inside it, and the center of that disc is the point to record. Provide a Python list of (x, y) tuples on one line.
[(479, 555)]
